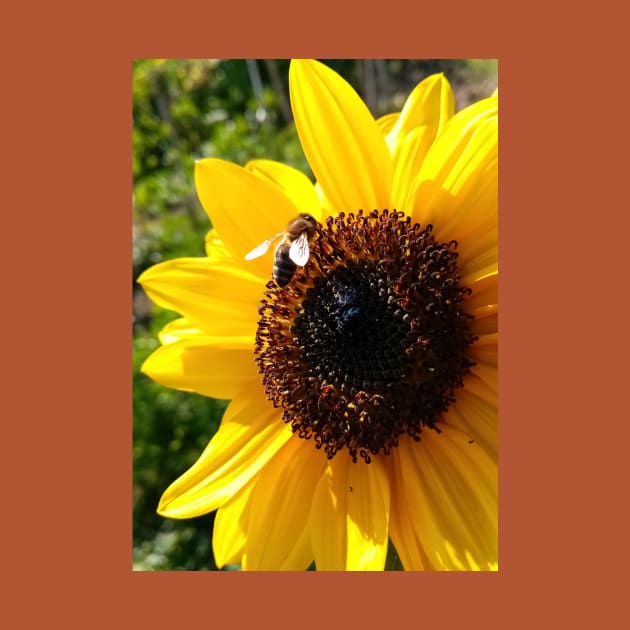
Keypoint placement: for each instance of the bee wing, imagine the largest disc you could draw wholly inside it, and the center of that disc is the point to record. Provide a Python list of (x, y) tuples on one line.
[(299, 250), (261, 249)]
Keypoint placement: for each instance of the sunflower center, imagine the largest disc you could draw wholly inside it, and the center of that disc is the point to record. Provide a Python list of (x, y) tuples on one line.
[(348, 332), (368, 341)]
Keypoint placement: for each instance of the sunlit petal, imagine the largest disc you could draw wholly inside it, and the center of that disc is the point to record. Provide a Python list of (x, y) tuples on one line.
[(250, 434), (213, 366), (295, 185), (349, 516), (328, 519), (340, 138), (401, 529), (475, 415), (486, 264), (410, 153), (430, 104), (385, 123), (368, 499), (456, 187), (244, 208), (451, 489), (231, 524), (215, 247), (279, 533), (177, 330), (216, 296)]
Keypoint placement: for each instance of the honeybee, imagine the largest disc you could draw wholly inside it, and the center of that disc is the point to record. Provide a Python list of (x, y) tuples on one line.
[(292, 249)]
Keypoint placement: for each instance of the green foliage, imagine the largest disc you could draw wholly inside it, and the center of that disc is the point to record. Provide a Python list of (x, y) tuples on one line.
[(170, 430), (392, 561), (236, 110)]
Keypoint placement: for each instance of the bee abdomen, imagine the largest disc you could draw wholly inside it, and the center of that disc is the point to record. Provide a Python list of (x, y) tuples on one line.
[(283, 269)]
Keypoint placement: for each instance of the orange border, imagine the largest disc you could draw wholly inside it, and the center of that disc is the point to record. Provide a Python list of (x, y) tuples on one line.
[(68, 489)]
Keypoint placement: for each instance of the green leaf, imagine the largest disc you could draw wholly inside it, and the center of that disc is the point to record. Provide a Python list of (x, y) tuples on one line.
[(392, 562)]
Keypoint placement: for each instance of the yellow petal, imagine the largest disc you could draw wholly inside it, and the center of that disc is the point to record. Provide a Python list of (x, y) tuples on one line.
[(386, 123), (479, 243), (213, 366), (408, 158), (279, 533), (486, 349), (295, 185), (215, 247), (244, 208), (368, 516), (340, 138), (485, 291), (475, 414), (323, 202), (177, 330), (350, 516), (230, 528), (430, 104), (401, 529), (456, 188), (488, 374), (475, 384), (486, 319), (451, 490), (427, 110), (483, 265), (251, 433), (328, 518), (217, 297), (482, 303)]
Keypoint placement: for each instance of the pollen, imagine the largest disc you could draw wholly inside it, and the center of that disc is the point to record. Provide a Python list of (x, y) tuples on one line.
[(369, 340)]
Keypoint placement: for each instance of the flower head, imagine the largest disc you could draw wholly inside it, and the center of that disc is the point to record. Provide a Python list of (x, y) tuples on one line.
[(363, 376)]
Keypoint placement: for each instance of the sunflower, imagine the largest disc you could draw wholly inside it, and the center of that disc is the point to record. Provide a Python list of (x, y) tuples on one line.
[(364, 392)]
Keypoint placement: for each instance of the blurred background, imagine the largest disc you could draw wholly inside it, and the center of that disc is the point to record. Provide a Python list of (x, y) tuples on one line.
[(237, 110)]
